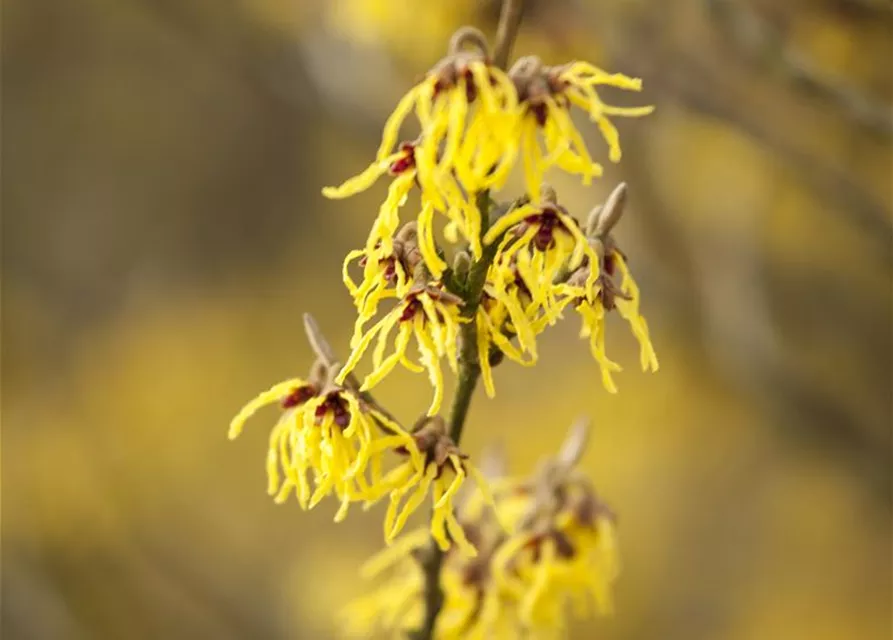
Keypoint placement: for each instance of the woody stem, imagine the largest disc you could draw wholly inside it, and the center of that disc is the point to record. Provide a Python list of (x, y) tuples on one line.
[(469, 366), (469, 373), (507, 31)]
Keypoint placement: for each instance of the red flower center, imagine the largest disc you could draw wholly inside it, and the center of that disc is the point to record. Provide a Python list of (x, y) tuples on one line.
[(413, 305), (563, 546), (298, 396), (406, 162), (547, 222), (335, 403)]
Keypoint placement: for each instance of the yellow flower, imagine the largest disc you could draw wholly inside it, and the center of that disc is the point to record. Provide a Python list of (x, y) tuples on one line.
[(592, 315), (467, 109), (592, 303), (395, 605), (545, 543), (573, 562), (402, 164), (324, 442), (468, 113), (463, 217), (383, 277), (427, 245), (411, 487), (386, 274), (561, 548), (628, 307), (443, 473), (537, 247), (546, 95), (432, 316), (499, 317), (490, 145), (538, 242), (409, 167)]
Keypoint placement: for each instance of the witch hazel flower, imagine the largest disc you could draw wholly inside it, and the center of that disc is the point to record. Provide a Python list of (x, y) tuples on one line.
[(430, 316), (325, 440), (471, 279)]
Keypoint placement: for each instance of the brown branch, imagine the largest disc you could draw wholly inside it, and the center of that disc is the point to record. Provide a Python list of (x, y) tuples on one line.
[(507, 31), (754, 37), (469, 373)]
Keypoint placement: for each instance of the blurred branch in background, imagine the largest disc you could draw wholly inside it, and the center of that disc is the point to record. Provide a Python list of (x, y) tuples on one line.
[(759, 42), (710, 84)]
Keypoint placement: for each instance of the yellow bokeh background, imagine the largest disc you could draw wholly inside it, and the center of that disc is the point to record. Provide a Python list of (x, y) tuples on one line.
[(163, 232)]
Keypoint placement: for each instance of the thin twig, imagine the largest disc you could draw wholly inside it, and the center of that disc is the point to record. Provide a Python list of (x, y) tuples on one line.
[(507, 31), (756, 38), (318, 342), (469, 374)]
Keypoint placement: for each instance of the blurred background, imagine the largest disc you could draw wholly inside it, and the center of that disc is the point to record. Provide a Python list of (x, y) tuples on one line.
[(163, 231)]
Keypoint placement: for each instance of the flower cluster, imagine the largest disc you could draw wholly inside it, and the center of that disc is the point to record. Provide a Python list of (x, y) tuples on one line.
[(547, 547), (546, 261), (476, 121), (473, 282), (330, 439)]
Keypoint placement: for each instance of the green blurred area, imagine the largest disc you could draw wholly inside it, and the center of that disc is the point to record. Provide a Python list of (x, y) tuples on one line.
[(163, 231)]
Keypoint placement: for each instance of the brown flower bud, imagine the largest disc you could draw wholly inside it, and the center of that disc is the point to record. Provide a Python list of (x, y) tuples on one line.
[(600, 225)]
